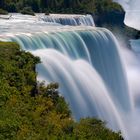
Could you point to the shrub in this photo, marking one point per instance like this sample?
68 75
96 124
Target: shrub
47 12
3 12
27 11
11 7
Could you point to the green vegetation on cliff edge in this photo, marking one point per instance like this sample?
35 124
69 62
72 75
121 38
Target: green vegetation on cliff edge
33 111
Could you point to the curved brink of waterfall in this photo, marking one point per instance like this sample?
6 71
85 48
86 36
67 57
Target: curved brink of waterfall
97 46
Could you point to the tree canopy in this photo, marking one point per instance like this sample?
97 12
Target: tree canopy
61 6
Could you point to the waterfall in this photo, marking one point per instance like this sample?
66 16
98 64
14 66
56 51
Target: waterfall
73 20
80 84
97 46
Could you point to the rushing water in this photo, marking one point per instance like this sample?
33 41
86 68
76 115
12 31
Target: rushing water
73 20
132 19
88 64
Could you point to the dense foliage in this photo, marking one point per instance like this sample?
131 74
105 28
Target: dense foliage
3 12
32 111
61 6
27 11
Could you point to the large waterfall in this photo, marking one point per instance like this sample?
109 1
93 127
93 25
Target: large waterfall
86 62
97 47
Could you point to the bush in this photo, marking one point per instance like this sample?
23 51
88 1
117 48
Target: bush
3 12
28 11
47 13
11 7
94 129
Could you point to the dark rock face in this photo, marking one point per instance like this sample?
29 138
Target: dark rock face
114 21
137 35
112 18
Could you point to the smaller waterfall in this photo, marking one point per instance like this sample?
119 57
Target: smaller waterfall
73 20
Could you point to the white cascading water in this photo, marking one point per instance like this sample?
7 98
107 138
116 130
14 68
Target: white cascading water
92 45
73 20
86 62
132 19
